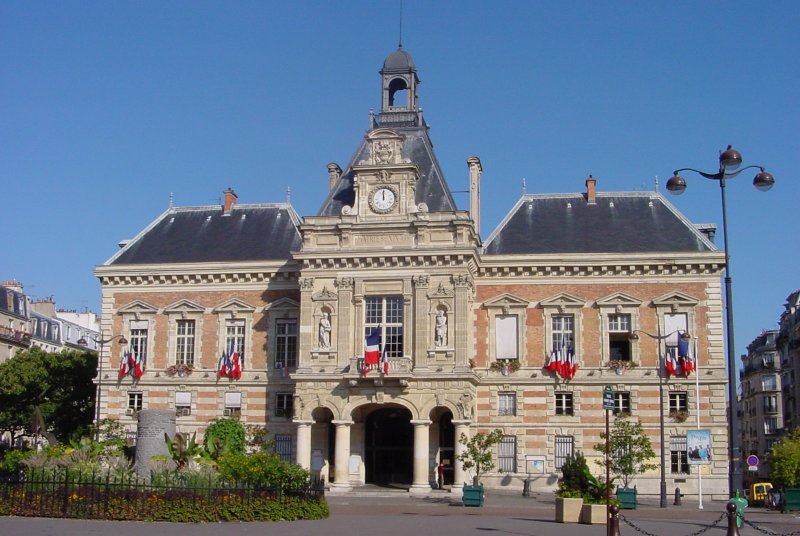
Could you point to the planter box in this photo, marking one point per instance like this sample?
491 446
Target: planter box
568 510
627 498
473 496
593 514
790 499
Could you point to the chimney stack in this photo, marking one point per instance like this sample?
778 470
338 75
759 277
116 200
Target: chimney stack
334 172
230 200
591 190
475 170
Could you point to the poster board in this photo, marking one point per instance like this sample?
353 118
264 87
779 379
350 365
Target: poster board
698 447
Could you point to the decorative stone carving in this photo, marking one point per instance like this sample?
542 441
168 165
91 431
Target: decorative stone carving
462 280
345 283
464 406
325 331
440 339
421 281
325 295
441 292
306 283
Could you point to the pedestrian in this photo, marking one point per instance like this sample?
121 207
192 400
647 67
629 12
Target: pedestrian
440 475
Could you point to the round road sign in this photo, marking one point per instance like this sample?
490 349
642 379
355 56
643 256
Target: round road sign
752 460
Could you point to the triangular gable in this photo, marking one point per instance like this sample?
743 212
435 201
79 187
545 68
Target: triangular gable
562 301
675 299
282 304
619 299
325 295
184 306
506 300
137 307
234 305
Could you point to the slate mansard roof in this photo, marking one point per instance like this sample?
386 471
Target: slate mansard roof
265 232
619 222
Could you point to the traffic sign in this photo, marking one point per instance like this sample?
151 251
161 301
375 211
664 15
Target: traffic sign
608 399
752 460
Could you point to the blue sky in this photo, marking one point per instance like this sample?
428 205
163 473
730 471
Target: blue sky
108 107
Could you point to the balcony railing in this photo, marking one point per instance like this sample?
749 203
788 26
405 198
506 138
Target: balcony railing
16 336
397 366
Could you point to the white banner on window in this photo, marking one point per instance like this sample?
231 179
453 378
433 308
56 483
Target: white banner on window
233 400
183 398
673 323
506 336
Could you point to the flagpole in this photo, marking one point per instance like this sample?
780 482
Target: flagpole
697 398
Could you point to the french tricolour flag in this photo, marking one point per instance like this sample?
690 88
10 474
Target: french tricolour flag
372 349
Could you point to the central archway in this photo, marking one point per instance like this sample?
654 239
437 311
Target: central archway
389 447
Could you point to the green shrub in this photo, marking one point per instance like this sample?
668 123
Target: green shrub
224 437
12 460
263 470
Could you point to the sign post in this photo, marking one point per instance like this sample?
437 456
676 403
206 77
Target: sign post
608 405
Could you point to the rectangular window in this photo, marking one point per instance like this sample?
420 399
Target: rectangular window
386 312
769 383
770 442
284 405
622 403
507 404
505 330
565 447
184 343
678 402
183 403
233 405
678 458
234 333
770 425
770 403
564 404
138 340
286 344
283 447
563 331
134 402
619 337
507 454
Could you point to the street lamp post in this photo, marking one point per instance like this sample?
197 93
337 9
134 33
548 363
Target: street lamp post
661 369
102 342
729 160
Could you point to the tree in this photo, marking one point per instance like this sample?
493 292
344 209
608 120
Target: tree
784 460
224 437
59 384
478 455
629 450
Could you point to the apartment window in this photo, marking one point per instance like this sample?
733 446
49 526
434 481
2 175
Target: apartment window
184 342
678 458
505 329
507 454
134 402
565 447
564 404
283 447
138 339
770 442
284 405
770 425
619 337
563 331
234 335
769 383
678 402
286 343
386 312
233 405
770 403
622 403
768 359
507 404
183 403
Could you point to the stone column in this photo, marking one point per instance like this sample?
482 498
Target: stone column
304 443
305 326
459 331
342 461
421 321
422 465
344 325
459 475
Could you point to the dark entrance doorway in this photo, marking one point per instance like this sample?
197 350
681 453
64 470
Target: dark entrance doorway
447 442
389 448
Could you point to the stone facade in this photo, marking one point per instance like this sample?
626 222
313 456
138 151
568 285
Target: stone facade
466 327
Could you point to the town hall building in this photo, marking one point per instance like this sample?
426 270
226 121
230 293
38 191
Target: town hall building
521 330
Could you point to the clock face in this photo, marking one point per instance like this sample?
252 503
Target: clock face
383 199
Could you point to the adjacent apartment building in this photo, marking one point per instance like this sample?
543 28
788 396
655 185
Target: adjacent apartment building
369 336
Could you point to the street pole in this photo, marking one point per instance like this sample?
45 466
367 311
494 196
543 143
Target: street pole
697 399
608 480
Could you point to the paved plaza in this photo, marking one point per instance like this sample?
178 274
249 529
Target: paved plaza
386 514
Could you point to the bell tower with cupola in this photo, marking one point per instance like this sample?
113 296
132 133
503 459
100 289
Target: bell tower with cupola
399 103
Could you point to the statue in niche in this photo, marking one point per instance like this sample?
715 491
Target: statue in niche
325 331
440 338
464 405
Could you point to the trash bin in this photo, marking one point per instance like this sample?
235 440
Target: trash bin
627 498
741 504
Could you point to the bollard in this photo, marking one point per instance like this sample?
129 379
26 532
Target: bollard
677 497
613 521
526 487
733 530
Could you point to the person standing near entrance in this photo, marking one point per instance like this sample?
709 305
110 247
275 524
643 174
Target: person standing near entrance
440 475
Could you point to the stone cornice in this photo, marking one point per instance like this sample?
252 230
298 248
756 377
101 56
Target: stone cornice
167 275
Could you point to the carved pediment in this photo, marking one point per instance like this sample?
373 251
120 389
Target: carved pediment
234 305
619 299
506 301
675 299
441 292
385 148
282 304
184 307
136 308
563 301
325 295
